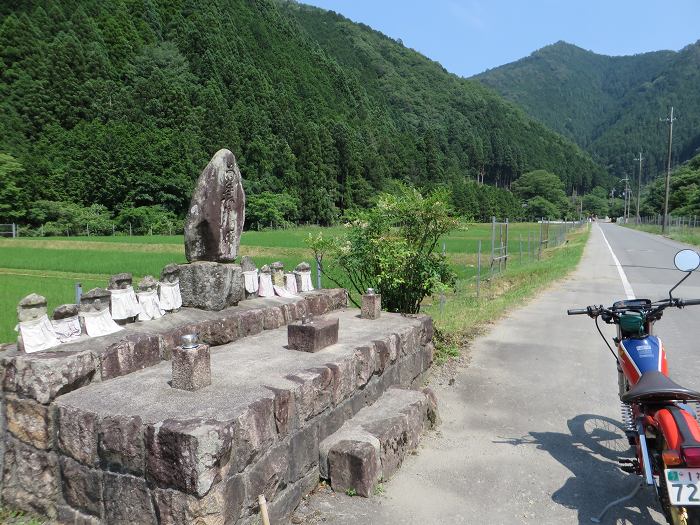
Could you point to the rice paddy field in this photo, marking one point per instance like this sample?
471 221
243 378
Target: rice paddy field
52 266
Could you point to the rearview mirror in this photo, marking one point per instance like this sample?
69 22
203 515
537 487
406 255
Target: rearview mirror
687 260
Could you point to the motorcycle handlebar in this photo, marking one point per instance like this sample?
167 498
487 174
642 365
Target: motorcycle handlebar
577 311
688 302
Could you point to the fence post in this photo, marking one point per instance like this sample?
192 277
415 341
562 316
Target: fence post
129 229
505 261
529 249
493 241
78 292
318 273
539 250
478 269
14 230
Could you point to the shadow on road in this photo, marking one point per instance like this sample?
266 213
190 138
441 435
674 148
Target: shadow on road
590 452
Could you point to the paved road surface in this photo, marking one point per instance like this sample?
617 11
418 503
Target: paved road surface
530 432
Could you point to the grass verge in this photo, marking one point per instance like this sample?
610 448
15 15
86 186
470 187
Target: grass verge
463 316
685 235
17 517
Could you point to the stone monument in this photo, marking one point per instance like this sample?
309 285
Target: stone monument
169 288
212 235
34 330
148 299
95 319
66 322
124 305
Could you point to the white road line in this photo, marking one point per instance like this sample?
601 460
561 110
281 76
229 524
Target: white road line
623 277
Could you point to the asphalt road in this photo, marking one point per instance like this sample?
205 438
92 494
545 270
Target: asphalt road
530 428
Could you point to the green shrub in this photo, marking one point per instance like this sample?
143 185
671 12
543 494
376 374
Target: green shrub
391 248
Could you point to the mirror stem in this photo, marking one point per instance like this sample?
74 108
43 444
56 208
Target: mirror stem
670 292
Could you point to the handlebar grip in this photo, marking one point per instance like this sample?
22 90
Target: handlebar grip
578 311
688 302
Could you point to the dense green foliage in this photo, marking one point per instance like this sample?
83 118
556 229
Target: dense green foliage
391 248
610 105
121 104
684 194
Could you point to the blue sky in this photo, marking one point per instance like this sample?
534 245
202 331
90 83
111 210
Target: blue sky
469 36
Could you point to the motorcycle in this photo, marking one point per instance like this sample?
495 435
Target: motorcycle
658 420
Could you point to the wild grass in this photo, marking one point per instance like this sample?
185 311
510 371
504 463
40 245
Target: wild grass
463 316
51 266
681 234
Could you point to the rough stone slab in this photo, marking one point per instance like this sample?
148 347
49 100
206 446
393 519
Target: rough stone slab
391 428
82 487
353 464
133 352
77 434
127 499
187 455
314 394
254 431
45 375
30 478
221 505
303 453
288 500
69 515
30 422
120 444
211 285
314 336
267 476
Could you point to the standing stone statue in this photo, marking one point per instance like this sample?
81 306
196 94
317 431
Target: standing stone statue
124 305
169 288
34 330
217 212
148 299
212 235
94 313
66 323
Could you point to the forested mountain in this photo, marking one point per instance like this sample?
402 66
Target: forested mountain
121 104
610 106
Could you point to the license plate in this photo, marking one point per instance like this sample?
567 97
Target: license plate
683 486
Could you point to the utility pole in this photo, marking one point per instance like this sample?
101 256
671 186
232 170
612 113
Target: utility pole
625 209
639 185
670 120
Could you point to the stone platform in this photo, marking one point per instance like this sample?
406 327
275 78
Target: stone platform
107 440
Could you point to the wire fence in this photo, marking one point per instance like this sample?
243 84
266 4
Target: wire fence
9 230
677 222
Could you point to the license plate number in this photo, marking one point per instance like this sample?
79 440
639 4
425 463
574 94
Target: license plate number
683 486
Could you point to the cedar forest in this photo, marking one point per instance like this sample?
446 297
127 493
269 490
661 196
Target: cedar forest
110 110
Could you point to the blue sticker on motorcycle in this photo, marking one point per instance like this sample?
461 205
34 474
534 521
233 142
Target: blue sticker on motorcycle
645 353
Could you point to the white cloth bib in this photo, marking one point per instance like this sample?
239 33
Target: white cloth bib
124 303
251 281
290 283
38 334
306 284
99 323
170 298
150 306
265 289
282 292
67 329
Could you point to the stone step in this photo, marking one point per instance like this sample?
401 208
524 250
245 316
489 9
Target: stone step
371 446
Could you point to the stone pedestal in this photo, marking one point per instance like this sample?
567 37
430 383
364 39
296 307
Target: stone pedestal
211 285
191 367
371 306
312 336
